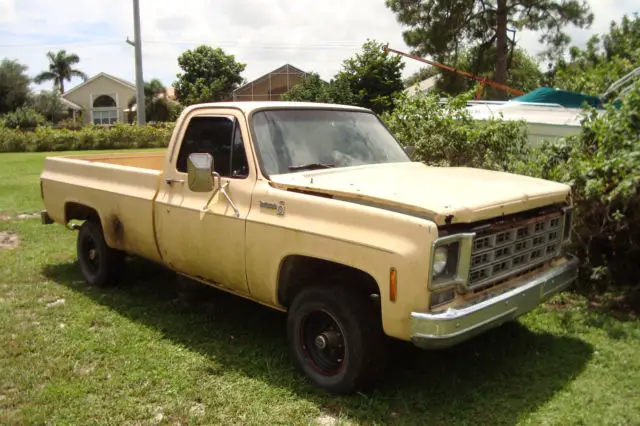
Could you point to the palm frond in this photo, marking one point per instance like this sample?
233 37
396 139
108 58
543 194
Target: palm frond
71 59
78 73
44 76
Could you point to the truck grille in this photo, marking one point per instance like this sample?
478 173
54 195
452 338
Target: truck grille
500 255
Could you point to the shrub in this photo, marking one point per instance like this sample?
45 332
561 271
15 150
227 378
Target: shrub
49 105
446 135
602 164
70 123
120 136
23 118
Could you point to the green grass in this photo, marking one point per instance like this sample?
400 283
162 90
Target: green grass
158 351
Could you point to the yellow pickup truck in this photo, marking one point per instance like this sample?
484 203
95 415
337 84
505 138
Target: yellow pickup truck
316 210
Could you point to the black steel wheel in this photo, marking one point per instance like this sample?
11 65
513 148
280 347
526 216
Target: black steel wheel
100 264
335 338
322 339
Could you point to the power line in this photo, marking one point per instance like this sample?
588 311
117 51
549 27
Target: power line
249 46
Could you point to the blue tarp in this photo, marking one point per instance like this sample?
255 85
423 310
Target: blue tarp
561 97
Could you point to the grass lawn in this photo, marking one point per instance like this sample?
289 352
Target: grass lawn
158 351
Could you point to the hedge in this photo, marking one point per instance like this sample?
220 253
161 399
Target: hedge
446 135
602 164
120 136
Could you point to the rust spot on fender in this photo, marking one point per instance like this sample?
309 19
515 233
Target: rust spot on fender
115 230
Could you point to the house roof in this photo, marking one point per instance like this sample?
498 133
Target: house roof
422 86
95 77
289 69
70 104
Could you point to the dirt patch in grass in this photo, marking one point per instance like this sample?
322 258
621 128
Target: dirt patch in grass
9 240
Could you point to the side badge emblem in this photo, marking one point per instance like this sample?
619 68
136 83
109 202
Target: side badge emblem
279 207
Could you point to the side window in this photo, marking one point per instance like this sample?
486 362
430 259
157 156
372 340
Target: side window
220 137
239 165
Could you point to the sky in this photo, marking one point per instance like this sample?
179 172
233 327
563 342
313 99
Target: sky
265 34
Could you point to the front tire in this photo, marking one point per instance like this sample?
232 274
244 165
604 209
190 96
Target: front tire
100 264
336 339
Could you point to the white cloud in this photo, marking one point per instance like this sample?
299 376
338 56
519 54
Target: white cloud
310 34
7 11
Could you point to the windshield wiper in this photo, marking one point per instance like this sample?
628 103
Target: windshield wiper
311 166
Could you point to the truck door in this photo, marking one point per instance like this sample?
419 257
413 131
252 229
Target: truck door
207 244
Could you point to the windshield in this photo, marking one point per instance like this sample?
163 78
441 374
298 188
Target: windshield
304 139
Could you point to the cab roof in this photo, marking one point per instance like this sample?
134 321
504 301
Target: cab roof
249 106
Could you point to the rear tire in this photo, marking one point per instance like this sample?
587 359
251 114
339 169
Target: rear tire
100 264
336 339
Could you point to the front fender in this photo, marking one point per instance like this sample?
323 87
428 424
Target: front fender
366 238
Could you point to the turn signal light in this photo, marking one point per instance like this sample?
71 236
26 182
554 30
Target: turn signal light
393 284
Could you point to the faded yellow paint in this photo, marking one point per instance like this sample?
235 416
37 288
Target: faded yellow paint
121 195
153 161
375 219
466 194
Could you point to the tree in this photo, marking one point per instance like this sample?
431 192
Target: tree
153 87
60 69
371 79
14 85
523 73
157 108
49 105
604 60
374 76
313 89
442 28
209 75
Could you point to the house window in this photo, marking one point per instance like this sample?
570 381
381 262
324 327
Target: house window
104 101
105 110
108 116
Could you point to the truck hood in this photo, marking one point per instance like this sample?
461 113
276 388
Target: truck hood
442 194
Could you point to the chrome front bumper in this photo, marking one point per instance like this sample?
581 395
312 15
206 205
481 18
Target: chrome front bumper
445 329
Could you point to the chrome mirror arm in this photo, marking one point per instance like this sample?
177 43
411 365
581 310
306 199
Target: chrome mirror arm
222 190
215 190
233 206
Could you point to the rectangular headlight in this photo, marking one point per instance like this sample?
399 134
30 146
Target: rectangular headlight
458 258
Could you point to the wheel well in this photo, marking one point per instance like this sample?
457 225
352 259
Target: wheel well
298 272
80 212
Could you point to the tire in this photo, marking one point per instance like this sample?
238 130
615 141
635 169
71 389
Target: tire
100 264
336 339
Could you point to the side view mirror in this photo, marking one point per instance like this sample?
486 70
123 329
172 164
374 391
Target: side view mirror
410 150
200 172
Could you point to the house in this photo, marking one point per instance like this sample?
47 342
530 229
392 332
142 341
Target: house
103 98
271 86
422 87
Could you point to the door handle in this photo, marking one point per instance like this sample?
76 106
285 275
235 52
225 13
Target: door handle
171 181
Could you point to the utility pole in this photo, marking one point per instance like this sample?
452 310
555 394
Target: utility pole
137 44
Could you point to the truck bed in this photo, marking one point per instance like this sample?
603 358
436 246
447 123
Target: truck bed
120 187
142 160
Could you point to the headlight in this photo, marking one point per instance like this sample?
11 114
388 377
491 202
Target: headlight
440 260
450 260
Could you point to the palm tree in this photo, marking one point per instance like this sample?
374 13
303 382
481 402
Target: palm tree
60 69
156 108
